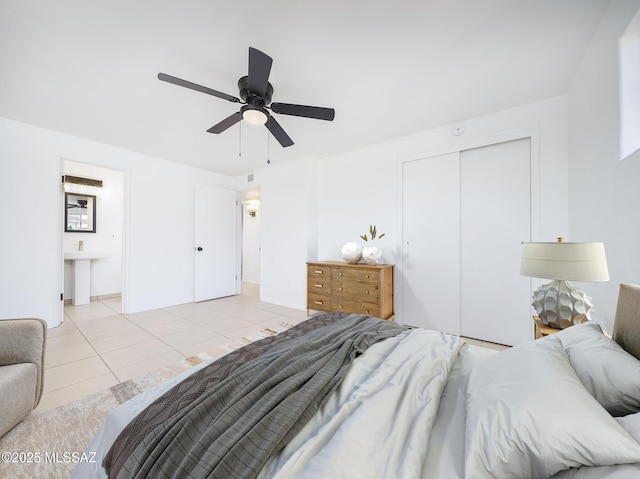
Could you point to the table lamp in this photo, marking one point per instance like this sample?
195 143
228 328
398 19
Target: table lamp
558 304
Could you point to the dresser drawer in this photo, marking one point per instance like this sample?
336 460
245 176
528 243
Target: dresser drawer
319 302
318 271
354 274
355 307
319 285
367 292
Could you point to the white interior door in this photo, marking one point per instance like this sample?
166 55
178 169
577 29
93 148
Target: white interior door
495 215
431 249
216 243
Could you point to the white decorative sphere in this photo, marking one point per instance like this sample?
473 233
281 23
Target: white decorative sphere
351 252
371 254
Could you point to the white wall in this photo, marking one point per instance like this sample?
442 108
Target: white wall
604 193
312 207
159 221
106 273
288 194
30 241
309 208
362 187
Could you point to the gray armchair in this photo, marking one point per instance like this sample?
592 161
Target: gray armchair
22 343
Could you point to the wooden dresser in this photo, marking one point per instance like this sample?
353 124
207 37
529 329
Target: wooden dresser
352 288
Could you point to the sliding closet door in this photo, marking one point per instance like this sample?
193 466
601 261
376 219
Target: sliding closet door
464 217
431 249
495 212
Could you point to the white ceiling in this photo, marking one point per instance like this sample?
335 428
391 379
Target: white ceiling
88 68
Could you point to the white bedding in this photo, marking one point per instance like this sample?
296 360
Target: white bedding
387 403
402 410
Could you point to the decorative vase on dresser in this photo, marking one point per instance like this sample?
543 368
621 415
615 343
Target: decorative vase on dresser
351 252
371 254
351 288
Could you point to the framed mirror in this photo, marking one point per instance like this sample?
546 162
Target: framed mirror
80 213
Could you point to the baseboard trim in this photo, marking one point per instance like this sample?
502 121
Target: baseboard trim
97 298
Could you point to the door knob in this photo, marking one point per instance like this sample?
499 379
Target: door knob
199 248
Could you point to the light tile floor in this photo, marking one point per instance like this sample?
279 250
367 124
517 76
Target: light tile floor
97 346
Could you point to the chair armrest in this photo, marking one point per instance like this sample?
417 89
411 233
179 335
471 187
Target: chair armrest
24 341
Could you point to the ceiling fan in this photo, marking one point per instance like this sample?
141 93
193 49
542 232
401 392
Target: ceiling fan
255 95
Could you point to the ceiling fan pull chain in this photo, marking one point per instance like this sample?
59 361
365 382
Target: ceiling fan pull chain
240 142
268 145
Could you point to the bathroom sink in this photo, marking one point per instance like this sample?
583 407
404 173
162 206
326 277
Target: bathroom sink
82 273
74 255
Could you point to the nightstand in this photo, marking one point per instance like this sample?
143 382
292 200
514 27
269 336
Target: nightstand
541 330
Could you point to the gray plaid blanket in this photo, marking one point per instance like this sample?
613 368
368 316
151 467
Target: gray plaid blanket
230 430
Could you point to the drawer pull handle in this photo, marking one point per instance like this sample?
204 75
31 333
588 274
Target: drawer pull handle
340 288
319 302
367 311
318 285
366 276
318 271
367 291
339 306
340 274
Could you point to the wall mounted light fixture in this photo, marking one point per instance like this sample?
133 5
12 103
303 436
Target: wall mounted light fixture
252 207
82 186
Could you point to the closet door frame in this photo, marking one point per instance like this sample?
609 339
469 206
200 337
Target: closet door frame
461 144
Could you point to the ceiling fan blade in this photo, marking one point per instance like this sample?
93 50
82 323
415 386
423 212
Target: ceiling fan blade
259 69
276 130
194 86
226 123
316 112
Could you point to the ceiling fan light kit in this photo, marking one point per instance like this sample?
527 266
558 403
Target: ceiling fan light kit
255 94
254 115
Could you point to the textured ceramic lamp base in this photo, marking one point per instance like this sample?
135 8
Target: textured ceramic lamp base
560 305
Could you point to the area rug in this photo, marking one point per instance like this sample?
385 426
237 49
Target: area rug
49 444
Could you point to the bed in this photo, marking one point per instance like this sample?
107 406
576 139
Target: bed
350 396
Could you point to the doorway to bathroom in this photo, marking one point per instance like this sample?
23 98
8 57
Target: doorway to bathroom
251 239
102 243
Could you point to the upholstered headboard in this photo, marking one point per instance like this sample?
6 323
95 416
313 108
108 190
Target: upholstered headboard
626 328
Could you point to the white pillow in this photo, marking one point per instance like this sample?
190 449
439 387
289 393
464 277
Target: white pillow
631 424
609 373
623 471
528 415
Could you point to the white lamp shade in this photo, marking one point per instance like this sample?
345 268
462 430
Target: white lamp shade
565 261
